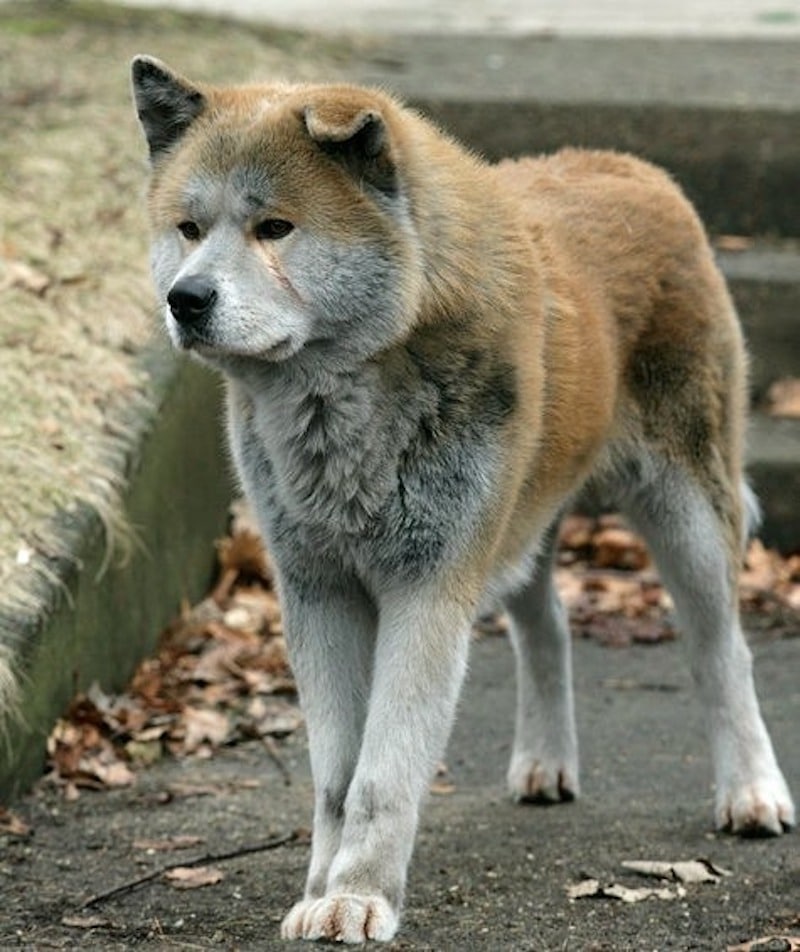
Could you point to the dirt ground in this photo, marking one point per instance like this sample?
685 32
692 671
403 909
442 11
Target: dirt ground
486 875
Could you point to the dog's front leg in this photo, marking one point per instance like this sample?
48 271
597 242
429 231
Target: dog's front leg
420 659
330 630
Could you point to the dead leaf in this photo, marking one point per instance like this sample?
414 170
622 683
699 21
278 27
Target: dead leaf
202 726
193 877
12 825
783 398
626 894
116 774
769 943
275 718
585 889
593 889
618 548
685 871
733 242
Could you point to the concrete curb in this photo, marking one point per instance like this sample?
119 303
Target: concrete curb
102 620
723 117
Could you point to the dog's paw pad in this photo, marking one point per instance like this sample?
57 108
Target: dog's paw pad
341 918
538 782
757 809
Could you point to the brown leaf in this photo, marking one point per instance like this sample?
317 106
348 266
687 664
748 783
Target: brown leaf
203 726
617 548
783 398
193 877
114 774
12 825
733 242
244 553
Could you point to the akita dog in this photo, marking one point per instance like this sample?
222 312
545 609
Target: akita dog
426 358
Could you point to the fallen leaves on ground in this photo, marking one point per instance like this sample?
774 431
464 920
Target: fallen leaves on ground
680 874
609 585
220 676
613 594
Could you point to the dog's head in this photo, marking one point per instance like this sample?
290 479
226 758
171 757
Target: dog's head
280 219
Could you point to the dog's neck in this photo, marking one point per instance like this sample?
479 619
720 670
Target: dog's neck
332 440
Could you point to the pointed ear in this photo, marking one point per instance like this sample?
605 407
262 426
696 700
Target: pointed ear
166 103
357 138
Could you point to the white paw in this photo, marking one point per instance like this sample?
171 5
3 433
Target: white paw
533 780
763 808
341 918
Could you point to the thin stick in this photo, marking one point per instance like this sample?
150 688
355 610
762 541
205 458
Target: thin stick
272 750
133 884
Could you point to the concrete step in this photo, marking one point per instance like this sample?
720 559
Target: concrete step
765 282
773 466
722 116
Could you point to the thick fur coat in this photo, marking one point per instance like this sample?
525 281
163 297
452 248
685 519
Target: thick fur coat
426 358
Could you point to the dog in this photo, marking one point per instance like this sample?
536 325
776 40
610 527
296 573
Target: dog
426 358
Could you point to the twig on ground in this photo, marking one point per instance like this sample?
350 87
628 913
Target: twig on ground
286 840
272 750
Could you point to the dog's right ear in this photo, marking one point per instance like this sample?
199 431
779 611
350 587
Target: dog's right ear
166 103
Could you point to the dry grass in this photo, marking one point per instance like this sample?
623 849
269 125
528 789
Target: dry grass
76 312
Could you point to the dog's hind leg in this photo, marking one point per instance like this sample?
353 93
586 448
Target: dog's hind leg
684 527
544 761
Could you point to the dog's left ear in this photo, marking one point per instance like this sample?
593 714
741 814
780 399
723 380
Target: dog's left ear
357 138
166 103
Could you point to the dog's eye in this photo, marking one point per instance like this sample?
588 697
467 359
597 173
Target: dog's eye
190 230
271 229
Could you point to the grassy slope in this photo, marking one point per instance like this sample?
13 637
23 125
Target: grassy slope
76 311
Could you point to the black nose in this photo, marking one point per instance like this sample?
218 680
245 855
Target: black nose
191 299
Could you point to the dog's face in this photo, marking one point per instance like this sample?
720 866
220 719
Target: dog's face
280 219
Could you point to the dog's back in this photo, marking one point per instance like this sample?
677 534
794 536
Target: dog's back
638 312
